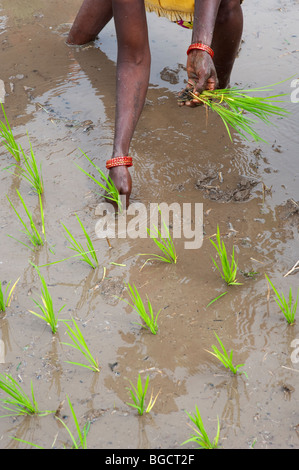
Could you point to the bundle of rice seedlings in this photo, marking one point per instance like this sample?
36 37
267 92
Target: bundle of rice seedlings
233 106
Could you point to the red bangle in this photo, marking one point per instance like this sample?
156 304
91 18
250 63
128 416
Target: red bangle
119 161
202 47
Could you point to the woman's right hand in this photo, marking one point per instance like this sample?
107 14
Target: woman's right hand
121 177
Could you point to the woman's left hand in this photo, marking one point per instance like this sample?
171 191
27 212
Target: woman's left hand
201 76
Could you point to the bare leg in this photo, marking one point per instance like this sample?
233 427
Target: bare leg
227 37
90 20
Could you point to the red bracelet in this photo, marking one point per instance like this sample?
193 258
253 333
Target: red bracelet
202 47
119 161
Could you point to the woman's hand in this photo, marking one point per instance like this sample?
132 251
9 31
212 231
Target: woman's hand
121 177
201 75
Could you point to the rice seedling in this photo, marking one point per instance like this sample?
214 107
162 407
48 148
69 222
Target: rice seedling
42 215
226 358
165 244
138 395
8 138
27 442
30 230
80 442
110 190
228 270
6 296
45 305
18 402
89 255
79 343
287 306
31 171
150 320
231 104
216 298
200 435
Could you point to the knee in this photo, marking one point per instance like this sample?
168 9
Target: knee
228 9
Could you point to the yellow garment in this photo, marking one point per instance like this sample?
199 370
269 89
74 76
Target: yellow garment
175 10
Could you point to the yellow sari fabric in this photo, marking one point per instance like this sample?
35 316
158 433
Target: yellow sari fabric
175 10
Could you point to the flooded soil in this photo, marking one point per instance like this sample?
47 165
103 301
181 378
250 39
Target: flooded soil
63 98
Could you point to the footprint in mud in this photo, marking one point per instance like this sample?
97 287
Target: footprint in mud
289 211
211 184
287 390
171 75
111 290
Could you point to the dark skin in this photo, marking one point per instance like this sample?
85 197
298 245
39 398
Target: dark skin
217 23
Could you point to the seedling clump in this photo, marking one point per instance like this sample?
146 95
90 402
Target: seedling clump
150 320
80 344
6 296
110 190
18 402
138 395
200 435
45 305
287 306
225 358
30 229
164 243
228 270
89 255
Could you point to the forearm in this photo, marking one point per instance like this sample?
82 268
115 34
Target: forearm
205 14
133 67
131 88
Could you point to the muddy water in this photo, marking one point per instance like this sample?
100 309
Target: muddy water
64 98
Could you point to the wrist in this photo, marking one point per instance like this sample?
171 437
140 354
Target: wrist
119 161
202 47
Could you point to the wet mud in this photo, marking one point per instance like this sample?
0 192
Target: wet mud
63 98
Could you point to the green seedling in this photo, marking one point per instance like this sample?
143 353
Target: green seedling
30 230
46 305
216 298
42 216
79 343
233 104
31 171
165 244
8 138
18 403
110 190
6 296
200 436
228 269
80 442
27 442
150 320
89 255
138 395
286 305
226 358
